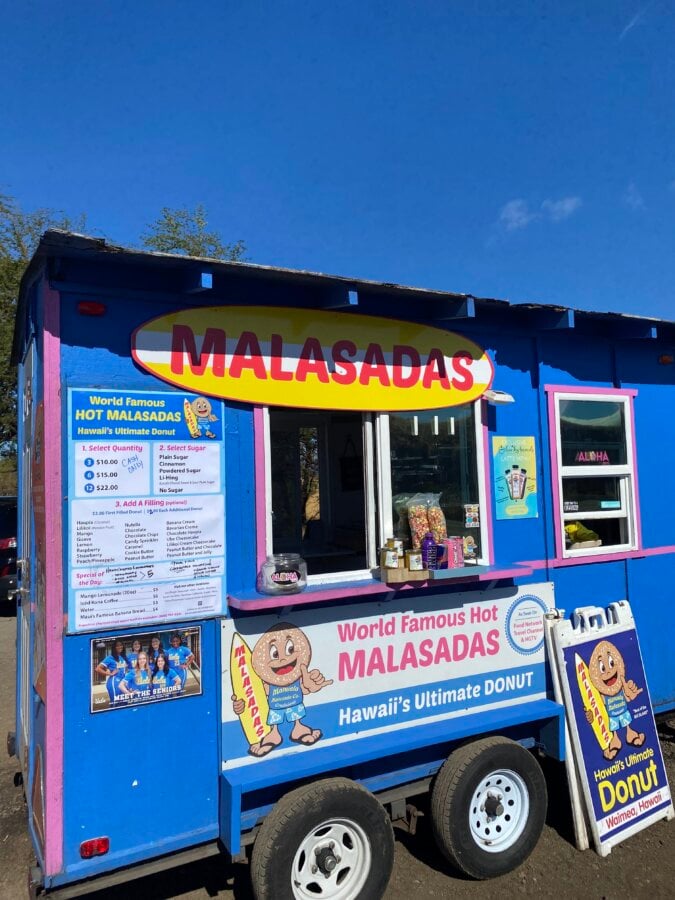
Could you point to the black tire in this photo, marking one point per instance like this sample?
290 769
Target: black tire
499 774
352 820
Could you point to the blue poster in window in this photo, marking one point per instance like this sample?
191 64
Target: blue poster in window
515 477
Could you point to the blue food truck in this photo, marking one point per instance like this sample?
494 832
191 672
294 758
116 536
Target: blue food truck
287 544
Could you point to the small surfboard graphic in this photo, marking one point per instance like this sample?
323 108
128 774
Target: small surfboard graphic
592 700
248 686
190 419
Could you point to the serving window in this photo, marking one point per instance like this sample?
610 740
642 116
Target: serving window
342 483
595 465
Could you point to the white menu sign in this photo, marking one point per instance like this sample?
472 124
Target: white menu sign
146 511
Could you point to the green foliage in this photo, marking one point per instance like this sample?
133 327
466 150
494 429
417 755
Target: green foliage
20 234
8 476
185 231
175 231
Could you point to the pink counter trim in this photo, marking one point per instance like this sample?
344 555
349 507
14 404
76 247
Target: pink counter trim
318 594
260 485
54 585
538 564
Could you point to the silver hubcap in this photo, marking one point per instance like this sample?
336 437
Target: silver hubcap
333 861
499 809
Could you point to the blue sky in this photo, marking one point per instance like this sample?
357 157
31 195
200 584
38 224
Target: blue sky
520 150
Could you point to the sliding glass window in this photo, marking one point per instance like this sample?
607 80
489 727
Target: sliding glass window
341 483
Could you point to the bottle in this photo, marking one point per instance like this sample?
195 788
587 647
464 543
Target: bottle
429 551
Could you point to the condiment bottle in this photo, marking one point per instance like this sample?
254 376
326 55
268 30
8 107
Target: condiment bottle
429 551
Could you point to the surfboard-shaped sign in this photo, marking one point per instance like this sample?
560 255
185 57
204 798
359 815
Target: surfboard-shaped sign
312 358
247 687
593 703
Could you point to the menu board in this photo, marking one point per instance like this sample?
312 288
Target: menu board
146 534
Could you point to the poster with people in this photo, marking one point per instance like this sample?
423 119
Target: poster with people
133 669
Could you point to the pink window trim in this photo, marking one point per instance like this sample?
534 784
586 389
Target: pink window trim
53 760
487 514
585 389
261 484
553 390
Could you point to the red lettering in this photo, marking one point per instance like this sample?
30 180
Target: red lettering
426 656
276 359
477 645
376 663
240 650
435 370
409 657
340 350
442 651
492 641
351 667
213 347
311 362
374 366
461 363
460 646
247 355
408 357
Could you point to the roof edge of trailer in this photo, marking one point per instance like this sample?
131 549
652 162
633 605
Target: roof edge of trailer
56 243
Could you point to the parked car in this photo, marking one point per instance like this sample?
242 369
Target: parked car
8 527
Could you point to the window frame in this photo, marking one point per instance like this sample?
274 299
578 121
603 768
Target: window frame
625 473
377 488
385 522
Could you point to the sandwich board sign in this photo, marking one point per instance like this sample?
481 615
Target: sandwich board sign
613 733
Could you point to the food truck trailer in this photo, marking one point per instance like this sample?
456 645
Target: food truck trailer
287 544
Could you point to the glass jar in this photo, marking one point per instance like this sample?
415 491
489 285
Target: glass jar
283 573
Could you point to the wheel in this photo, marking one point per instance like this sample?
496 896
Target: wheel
330 840
488 807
